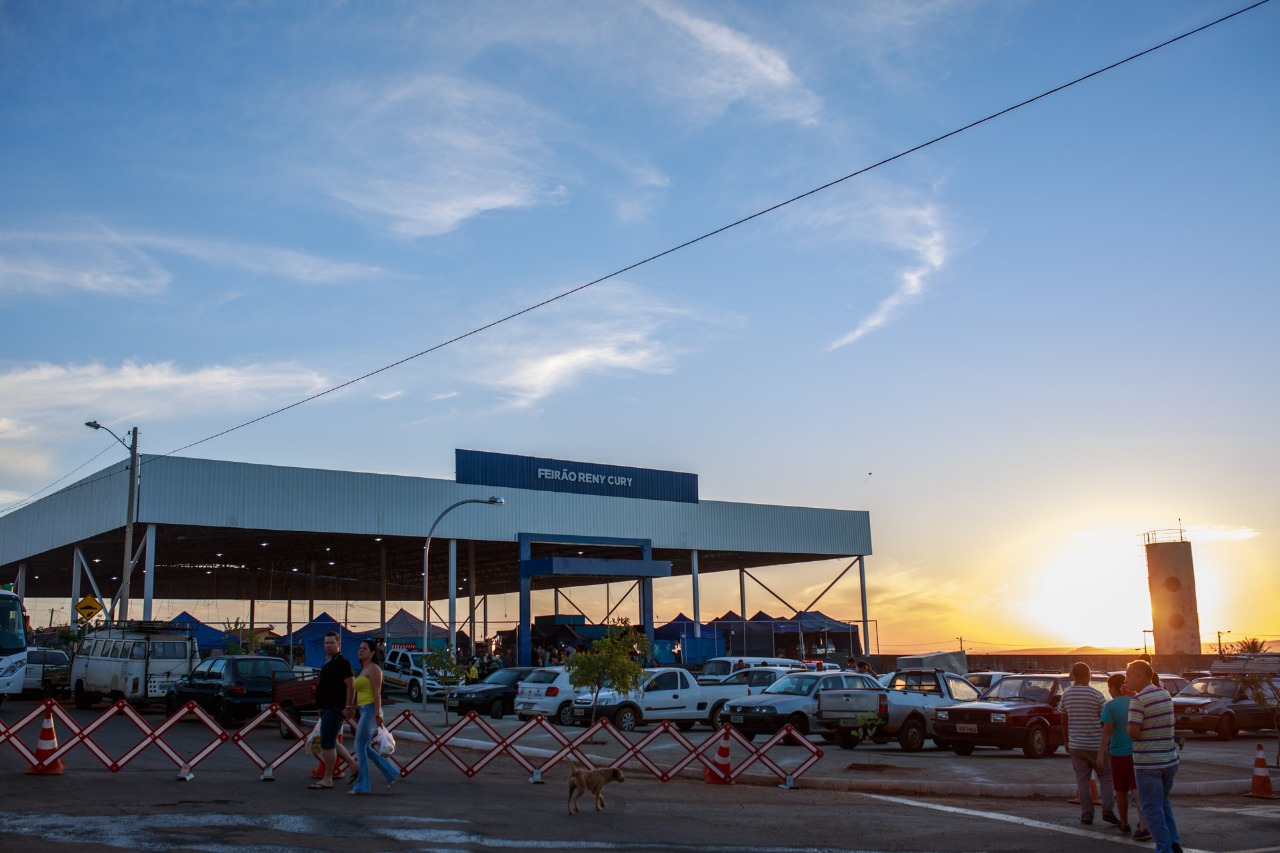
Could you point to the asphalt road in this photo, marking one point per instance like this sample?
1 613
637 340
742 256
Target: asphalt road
438 808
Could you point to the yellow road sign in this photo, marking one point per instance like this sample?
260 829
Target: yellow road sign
88 607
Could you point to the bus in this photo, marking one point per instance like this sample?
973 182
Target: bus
13 644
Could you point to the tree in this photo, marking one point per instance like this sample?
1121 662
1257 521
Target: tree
444 666
612 661
1248 646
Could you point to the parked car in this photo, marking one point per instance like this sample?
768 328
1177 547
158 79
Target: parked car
905 709
48 671
984 679
133 661
232 688
547 691
1019 711
1221 704
792 699
403 669
717 669
495 695
756 678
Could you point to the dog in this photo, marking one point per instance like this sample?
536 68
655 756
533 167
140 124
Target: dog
583 781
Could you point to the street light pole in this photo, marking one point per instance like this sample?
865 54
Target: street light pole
1220 633
126 573
426 598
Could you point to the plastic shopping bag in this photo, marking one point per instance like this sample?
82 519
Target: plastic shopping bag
383 742
313 741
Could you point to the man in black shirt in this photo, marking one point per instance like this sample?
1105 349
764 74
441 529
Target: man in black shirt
335 696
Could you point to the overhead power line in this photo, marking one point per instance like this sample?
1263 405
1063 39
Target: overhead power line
686 244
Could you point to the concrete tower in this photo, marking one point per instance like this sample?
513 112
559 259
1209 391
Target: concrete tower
1171 577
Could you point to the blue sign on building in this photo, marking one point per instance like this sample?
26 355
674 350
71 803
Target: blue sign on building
476 467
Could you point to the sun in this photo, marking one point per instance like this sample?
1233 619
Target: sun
1092 591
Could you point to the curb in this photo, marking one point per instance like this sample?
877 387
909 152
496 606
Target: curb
889 786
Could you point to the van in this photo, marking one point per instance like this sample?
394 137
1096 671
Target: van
134 661
716 669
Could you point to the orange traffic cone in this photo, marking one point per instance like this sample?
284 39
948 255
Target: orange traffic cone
721 763
1261 787
47 746
1093 791
339 766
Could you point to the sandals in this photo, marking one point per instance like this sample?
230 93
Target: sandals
316 786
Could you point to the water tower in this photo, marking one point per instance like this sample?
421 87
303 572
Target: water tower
1171 577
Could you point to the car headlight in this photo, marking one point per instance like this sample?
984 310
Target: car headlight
942 715
13 668
1193 710
999 718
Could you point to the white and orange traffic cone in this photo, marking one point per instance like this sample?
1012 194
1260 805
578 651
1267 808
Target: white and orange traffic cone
1261 787
47 746
339 766
1093 791
721 763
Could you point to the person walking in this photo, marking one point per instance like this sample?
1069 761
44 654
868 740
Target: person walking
334 694
1119 748
368 699
1081 709
1155 754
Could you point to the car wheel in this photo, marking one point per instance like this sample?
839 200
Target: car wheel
961 748
82 700
564 714
846 739
1037 743
911 736
626 719
800 723
1226 727
171 705
222 713
495 710
827 737
684 725
415 691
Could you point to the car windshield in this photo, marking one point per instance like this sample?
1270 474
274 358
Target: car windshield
13 637
1011 688
717 668
504 676
542 676
793 685
261 667
1223 688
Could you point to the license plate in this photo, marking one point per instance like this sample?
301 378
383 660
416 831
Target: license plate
966 728
579 712
526 706
735 718
453 703
848 722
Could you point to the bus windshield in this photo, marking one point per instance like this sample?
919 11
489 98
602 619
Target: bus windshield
13 635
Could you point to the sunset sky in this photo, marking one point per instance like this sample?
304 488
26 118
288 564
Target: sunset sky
1018 348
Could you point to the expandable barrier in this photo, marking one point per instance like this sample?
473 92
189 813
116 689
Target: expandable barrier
705 753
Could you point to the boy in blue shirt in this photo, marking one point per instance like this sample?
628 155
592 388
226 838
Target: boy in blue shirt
1116 741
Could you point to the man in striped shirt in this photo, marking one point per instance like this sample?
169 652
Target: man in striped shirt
1081 709
1155 755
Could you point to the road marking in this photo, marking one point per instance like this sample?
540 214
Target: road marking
1251 811
1021 821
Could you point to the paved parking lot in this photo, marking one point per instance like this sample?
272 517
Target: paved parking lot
842 804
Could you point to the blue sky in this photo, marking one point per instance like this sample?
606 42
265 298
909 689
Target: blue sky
1041 337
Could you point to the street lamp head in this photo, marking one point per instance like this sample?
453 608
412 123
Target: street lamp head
93 425
496 500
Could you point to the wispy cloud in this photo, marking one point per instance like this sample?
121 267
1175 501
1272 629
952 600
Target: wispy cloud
614 330
914 228
41 392
127 264
1203 533
429 153
721 66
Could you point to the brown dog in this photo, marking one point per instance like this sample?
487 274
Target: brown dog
583 781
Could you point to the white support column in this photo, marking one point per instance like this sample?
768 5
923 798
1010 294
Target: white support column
862 581
76 560
149 572
697 600
453 598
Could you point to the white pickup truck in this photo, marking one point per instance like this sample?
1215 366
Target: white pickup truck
671 693
403 668
905 709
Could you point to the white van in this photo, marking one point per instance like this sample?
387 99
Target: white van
716 669
135 661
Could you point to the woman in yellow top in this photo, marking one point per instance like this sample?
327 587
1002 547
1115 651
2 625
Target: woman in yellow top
368 685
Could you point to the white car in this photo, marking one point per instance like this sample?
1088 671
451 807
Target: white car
547 691
37 660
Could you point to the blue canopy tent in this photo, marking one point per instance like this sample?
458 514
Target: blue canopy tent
821 631
207 637
693 649
404 631
311 638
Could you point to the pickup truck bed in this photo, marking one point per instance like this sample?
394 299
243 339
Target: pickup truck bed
905 709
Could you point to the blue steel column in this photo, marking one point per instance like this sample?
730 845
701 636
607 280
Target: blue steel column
526 618
453 598
697 601
149 570
646 610
862 581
